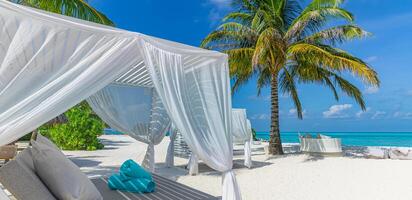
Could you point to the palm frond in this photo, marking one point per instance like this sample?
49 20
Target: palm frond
307 73
264 78
287 86
351 90
337 35
73 8
270 49
240 61
313 20
231 39
240 17
333 59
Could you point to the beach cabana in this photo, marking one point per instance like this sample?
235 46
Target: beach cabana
242 133
49 63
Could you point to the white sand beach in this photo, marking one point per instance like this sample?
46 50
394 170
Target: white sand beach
289 177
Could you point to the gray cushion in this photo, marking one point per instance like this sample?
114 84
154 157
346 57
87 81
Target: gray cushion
63 178
41 139
18 177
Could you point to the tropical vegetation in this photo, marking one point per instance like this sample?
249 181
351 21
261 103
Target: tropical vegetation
81 131
73 8
284 43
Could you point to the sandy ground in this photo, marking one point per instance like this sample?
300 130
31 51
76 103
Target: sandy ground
289 177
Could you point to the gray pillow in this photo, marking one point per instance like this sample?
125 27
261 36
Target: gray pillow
43 140
19 178
63 178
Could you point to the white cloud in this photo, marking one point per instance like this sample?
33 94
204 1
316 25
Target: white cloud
337 111
220 4
371 59
294 111
408 93
361 113
261 116
255 97
371 90
378 115
402 115
218 10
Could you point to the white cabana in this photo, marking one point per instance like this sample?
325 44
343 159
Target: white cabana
242 133
49 63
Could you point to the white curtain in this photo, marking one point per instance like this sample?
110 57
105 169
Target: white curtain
170 157
197 97
136 111
248 147
47 66
193 164
242 133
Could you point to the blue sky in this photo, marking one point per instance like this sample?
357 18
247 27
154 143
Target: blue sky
387 50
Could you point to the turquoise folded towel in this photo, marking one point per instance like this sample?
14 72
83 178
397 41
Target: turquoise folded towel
130 169
132 178
139 185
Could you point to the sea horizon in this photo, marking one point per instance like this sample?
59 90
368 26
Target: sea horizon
352 138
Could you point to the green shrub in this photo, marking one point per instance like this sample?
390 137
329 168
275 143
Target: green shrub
80 133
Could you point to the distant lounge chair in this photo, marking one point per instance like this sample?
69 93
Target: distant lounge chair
19 177
322 144
400 153
377 153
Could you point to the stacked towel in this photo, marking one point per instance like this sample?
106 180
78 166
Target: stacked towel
132 178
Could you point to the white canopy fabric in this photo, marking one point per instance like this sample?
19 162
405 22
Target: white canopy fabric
49 63
242 133
170 158
136 111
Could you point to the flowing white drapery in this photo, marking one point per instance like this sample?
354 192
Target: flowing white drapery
170 157
242 133
49 63
48 67
136 111
185 85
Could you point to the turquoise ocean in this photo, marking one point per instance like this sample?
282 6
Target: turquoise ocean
399 139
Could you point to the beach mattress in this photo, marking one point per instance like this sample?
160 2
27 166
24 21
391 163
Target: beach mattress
165 190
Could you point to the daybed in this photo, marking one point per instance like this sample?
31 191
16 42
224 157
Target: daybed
19 177
322 144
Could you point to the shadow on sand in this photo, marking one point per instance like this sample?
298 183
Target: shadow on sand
111 145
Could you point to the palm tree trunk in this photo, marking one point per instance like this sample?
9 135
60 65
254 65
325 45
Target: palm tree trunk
275 144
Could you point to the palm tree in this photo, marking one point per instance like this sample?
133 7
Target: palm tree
283 43
73 8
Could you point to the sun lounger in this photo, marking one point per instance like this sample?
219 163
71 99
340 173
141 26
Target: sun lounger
20 179
377 153
400 153
165 189
323 144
